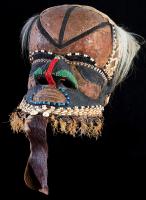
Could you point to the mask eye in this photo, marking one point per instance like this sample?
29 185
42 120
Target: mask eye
40 77
42 80
66 78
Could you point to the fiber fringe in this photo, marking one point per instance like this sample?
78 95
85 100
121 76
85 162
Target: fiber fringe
74 126
16 122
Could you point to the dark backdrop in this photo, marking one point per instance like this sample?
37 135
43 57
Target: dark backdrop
78 167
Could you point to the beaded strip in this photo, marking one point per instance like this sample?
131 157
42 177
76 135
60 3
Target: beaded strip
46 111
40 61
113 60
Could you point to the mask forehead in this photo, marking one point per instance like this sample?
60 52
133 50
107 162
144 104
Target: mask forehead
97 44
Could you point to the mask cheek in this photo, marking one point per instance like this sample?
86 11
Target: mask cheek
31 82
90 90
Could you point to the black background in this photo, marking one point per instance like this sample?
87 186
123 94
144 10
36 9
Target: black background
115 165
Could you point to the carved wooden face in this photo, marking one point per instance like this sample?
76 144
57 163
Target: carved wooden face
68 56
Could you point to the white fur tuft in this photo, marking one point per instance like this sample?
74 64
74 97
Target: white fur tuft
128 47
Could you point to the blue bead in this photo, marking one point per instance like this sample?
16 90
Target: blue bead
62 89
65 94
67 102
62 104
68 98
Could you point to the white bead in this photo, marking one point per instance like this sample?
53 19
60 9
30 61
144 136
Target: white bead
63 114
33 112
44 107
77 54
52 108
46 113
92 59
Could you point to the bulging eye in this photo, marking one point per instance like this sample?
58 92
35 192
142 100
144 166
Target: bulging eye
38 73
42 80
66 77
40 77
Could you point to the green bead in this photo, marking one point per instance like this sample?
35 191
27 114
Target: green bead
38 72
68 76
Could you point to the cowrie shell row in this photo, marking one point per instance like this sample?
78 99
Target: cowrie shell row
75 111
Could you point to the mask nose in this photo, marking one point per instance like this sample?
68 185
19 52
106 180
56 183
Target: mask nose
44 75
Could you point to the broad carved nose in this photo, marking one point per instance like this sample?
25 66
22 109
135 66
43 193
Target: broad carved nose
55 73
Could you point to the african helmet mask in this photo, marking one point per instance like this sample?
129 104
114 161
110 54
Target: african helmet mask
78 55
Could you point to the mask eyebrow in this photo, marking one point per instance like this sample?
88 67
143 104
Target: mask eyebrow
80 57
41 54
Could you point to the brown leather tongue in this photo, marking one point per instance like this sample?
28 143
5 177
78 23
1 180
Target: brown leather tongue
50 95
36 172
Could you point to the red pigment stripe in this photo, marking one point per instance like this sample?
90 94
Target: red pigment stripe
48 73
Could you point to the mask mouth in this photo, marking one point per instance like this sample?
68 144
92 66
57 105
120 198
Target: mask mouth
49 96
76 120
